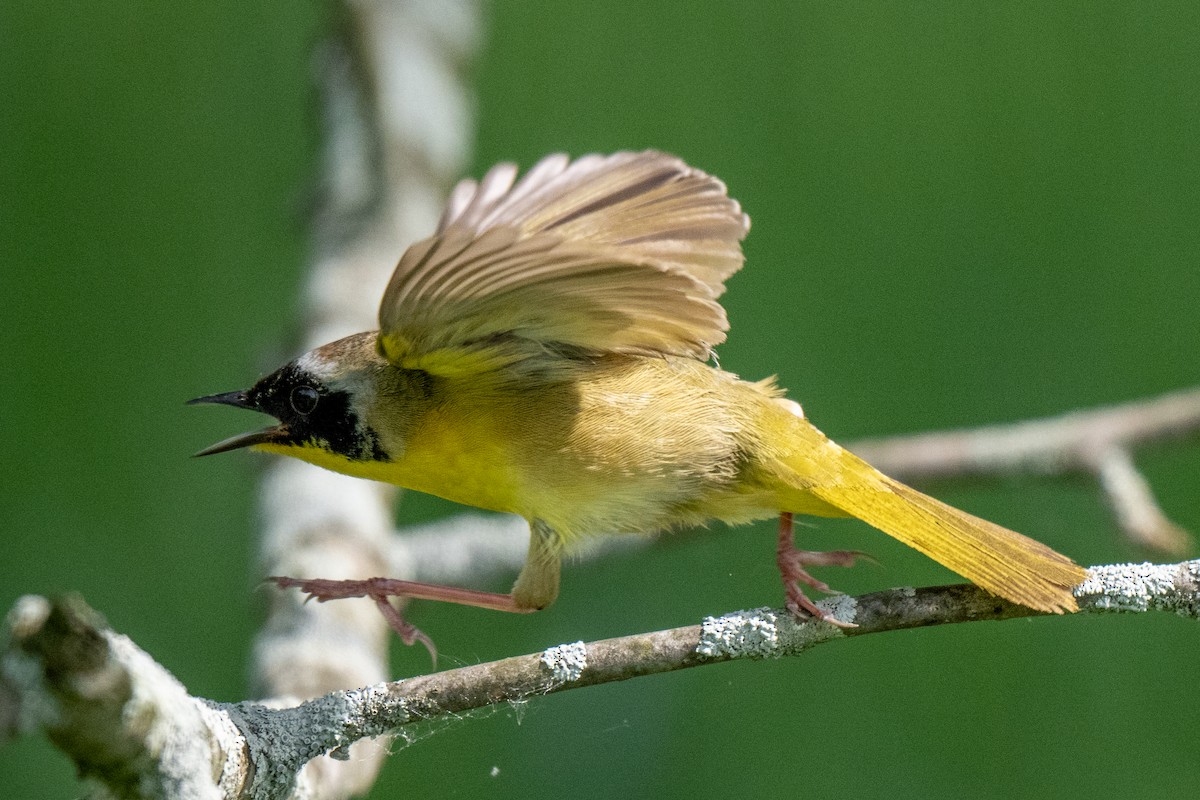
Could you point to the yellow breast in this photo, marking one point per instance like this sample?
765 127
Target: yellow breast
463 454
627 445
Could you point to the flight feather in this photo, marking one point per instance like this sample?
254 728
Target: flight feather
625 253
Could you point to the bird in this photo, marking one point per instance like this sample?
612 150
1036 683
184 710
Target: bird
549 352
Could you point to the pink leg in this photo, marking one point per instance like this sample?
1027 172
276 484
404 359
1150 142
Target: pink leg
409 633
536 588
322 590
380 589
792 563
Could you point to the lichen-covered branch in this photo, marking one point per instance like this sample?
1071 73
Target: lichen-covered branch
124 721
130 725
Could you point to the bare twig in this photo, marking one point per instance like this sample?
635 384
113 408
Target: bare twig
1132 500
129 724
1054 445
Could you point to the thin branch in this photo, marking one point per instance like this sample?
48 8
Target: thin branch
1053 445
130 725
1132 500
762 633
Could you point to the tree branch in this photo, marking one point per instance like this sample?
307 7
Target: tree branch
129 724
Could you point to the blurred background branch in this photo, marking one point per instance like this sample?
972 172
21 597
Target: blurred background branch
396 115
1097 442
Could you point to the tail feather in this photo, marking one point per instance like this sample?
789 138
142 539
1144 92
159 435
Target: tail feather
1001 561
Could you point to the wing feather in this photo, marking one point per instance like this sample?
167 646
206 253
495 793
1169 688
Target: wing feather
625 253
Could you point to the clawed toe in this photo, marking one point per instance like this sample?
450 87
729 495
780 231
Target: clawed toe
793 572
409 633
377 589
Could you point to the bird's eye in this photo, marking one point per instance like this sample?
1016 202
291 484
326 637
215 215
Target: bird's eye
304 399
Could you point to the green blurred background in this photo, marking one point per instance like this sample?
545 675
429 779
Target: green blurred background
963 213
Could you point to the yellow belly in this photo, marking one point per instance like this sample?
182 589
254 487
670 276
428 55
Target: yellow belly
630 445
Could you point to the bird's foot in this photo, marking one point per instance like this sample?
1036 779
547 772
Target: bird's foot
793 571
380 589
377 589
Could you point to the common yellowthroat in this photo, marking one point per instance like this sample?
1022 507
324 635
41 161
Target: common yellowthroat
545 353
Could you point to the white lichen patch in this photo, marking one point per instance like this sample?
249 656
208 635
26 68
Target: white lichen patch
741 634
565 662
841 607
761 633
1142 587
180 734
154 691
228 743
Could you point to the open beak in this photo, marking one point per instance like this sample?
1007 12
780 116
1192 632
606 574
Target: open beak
238 400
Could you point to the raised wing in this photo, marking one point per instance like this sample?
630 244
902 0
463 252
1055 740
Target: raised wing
625 253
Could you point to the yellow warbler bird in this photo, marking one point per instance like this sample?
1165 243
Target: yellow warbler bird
545 353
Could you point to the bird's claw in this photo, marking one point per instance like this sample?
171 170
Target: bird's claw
793 571
377 589
409 633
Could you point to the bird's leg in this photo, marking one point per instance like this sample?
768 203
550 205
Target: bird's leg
792 563
537 585
536 588
381 589
323 590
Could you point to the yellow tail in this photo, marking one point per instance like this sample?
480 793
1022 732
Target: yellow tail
1001 561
